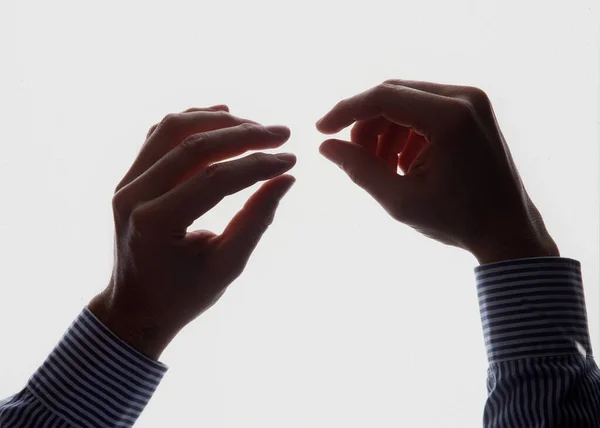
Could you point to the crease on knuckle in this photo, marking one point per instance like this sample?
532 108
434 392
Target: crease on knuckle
478 98
392 82
194 143
170 121
248 127
215 171
269 217
258 157
222 114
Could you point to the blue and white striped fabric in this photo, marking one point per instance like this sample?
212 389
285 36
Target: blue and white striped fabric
90 379
542 373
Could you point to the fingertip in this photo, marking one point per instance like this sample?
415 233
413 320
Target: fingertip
280 130
321 126
288 178
323 148
287 158
327 147
278 186
288 183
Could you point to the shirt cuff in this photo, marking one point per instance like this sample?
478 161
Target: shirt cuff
532 307
92 378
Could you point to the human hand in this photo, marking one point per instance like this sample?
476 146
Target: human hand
163 276
460 184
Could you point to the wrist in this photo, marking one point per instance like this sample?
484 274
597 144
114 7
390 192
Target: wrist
526 247
141 333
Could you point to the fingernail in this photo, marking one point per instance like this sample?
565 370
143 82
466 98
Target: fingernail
286 157
319 121
282 131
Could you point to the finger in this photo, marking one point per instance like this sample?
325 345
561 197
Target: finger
432 87
414 146
366 133
200 150
391 143
473 95
391 190
222 107
426 113
468 93
243 233
151 130
171 131
181 206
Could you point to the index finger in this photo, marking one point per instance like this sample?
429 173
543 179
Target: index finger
423 111
174 128
222 107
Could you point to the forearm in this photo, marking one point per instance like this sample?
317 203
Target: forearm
542 372
90 379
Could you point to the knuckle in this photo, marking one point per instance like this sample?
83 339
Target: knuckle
248 127
478 98
138 218
340 105
381 89
223 114
269 217
352 175
258 157
118 203
235 269
151 130
118 188
193 143
392 82
171 120
463 116
215 171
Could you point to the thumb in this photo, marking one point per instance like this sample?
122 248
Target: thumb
371 173
244 231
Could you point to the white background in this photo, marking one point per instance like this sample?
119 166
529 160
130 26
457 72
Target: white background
343 316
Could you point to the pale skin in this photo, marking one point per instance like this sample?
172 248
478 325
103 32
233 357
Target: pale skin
459 186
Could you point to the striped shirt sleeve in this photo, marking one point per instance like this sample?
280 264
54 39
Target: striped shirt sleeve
541 369
90 379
